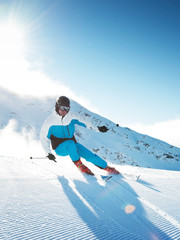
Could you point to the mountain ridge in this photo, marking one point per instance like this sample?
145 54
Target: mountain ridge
119 145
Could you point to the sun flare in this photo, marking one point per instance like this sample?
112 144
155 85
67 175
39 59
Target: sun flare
11 41
12 46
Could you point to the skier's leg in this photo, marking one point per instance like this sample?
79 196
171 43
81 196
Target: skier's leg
95 159
68 148
90 157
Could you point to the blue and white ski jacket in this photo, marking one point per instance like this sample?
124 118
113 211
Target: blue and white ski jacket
57 129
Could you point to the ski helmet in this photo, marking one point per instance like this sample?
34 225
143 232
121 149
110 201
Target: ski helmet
62 101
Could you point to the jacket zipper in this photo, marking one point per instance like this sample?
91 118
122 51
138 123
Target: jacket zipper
63 126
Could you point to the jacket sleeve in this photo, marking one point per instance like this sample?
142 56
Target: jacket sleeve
84 121
91 120
80 123
45 141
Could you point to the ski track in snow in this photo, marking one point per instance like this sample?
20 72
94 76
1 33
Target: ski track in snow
36 209
160 218
155 208
45 200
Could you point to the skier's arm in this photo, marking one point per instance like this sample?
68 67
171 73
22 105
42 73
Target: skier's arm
45 141
80 123
82 120
89 122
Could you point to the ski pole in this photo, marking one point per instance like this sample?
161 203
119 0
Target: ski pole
42 158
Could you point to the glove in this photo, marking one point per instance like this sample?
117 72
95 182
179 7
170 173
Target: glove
51 157
103 128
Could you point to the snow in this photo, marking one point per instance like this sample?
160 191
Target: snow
41 199
46 200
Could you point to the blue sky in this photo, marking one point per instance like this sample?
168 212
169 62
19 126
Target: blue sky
121 55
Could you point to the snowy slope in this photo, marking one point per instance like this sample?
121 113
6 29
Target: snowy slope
40 199
119 145
46 200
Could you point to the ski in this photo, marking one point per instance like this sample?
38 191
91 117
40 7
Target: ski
106 178
126 176
130 176
137 177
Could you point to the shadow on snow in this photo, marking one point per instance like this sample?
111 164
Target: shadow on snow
112 211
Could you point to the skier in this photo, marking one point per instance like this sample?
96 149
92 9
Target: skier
58 129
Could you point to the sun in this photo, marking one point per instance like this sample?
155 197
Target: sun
12 47
11 41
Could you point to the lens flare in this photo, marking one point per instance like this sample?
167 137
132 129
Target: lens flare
129 209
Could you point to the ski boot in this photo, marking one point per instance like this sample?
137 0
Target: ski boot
83 168
111 170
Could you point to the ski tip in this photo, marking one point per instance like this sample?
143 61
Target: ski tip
106 178
137 178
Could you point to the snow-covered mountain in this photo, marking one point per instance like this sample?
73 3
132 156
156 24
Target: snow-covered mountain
41 199
118 145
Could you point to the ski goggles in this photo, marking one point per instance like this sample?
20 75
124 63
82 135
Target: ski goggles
64 108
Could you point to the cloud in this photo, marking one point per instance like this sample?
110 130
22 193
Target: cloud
19 76
27 144
168 131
